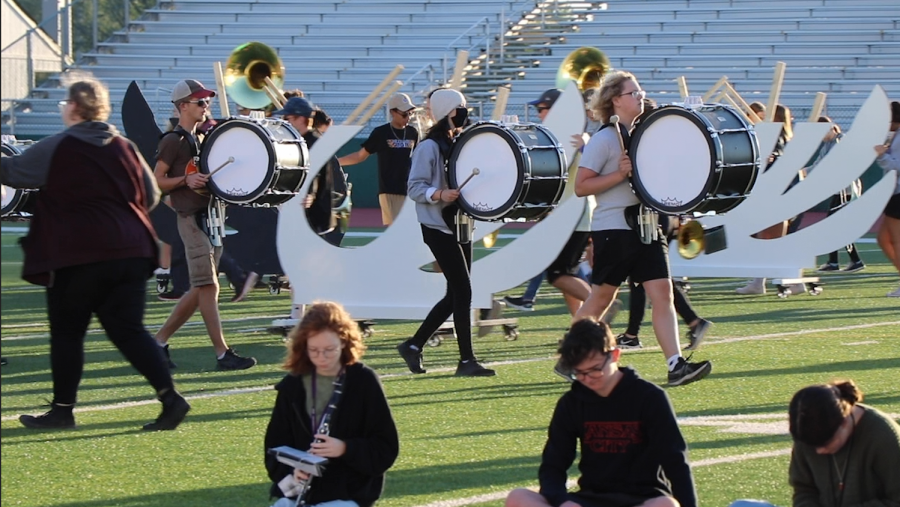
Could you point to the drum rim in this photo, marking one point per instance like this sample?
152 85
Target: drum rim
517 153
270 172
10 150
638 187
18 200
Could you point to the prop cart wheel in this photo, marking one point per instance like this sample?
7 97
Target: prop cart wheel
511 332
162 283
434 341
814 289
366 327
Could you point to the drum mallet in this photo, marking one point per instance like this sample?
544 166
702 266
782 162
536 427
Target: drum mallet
475 171
614 119
217 169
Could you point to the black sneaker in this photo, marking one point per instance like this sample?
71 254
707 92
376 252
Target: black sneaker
412 357
175 407
828 267
686 372
169 361
696 333
853 267
170 296
628 342
563 372
57 418
232 361
471 368
519 304
3 361
240 292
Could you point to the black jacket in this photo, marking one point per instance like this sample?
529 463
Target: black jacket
630 443
362 420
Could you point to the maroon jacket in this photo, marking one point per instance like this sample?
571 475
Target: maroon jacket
96 192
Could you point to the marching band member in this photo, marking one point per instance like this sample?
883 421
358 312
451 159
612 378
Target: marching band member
91 244
618 249
334 406
889 160
435 201
177 176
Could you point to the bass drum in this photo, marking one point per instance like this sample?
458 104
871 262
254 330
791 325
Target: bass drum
693 160
522 171
270 161
17 203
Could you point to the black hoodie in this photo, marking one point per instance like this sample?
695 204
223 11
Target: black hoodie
630 444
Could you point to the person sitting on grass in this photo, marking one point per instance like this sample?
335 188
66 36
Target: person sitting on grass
632 451
845 453
332 406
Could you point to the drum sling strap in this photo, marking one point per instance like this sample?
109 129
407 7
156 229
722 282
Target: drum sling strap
202 216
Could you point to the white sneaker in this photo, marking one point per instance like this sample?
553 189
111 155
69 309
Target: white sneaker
756 286
161 271
895 294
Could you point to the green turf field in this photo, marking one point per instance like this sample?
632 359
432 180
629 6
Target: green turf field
465 441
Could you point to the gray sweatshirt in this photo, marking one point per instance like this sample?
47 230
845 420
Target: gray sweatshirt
890 160
426 176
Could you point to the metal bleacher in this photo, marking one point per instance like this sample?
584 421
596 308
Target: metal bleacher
337 51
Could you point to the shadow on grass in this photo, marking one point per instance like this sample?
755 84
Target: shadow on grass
240 495
838 367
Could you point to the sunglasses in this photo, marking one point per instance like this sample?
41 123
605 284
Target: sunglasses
638 94
404 114
201 102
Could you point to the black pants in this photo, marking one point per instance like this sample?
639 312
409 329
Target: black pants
116 291
455 261
638 302
838 201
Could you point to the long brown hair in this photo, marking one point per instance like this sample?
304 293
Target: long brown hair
783 114
323 316
613 83
816 412
90 96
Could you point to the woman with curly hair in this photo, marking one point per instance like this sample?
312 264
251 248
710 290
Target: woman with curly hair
334 406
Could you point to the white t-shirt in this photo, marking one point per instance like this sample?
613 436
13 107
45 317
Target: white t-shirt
601 155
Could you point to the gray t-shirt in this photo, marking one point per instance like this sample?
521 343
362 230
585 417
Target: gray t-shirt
601 155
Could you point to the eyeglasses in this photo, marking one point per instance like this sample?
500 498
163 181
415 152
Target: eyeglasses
327 352
595 372
404 114
201 102
638 94
62 104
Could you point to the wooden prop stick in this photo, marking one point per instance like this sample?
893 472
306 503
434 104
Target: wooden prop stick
817 108
722 80
273 89
462 59
375 107
475 172
682 88
737 108
741 102
272 96
220 86
369 98
720 97
775 94
500 106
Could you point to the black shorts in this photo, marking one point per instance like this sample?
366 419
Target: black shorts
893 207
619 254
566 263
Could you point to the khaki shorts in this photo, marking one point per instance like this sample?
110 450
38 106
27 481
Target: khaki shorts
202 258
390 207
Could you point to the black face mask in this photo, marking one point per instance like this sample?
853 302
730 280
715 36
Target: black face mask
462 114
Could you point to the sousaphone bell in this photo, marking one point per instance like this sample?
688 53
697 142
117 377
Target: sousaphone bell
586 65
246 71
694 239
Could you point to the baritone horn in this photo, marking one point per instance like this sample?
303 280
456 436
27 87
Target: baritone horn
246 71
586 65
694 239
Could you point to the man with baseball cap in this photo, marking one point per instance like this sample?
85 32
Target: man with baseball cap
393 142
177 175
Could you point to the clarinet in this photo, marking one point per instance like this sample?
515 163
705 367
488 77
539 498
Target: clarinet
324 429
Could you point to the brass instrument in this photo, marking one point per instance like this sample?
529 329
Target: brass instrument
694 239
246 71
586 65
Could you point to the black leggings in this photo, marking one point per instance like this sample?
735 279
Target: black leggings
837 202
638 302
116 291
455 261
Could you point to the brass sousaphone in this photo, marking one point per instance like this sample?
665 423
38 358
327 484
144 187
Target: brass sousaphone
246 71
586 65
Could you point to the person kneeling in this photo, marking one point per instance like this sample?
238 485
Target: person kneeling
333 406
632 451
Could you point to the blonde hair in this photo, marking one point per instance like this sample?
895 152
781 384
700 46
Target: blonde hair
90 96
613 83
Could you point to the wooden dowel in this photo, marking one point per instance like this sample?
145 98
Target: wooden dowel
375 107
741 102
462 59
682 87
272 96
737 108
817 108
722 80
775 93
220 87
500 106
369 98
